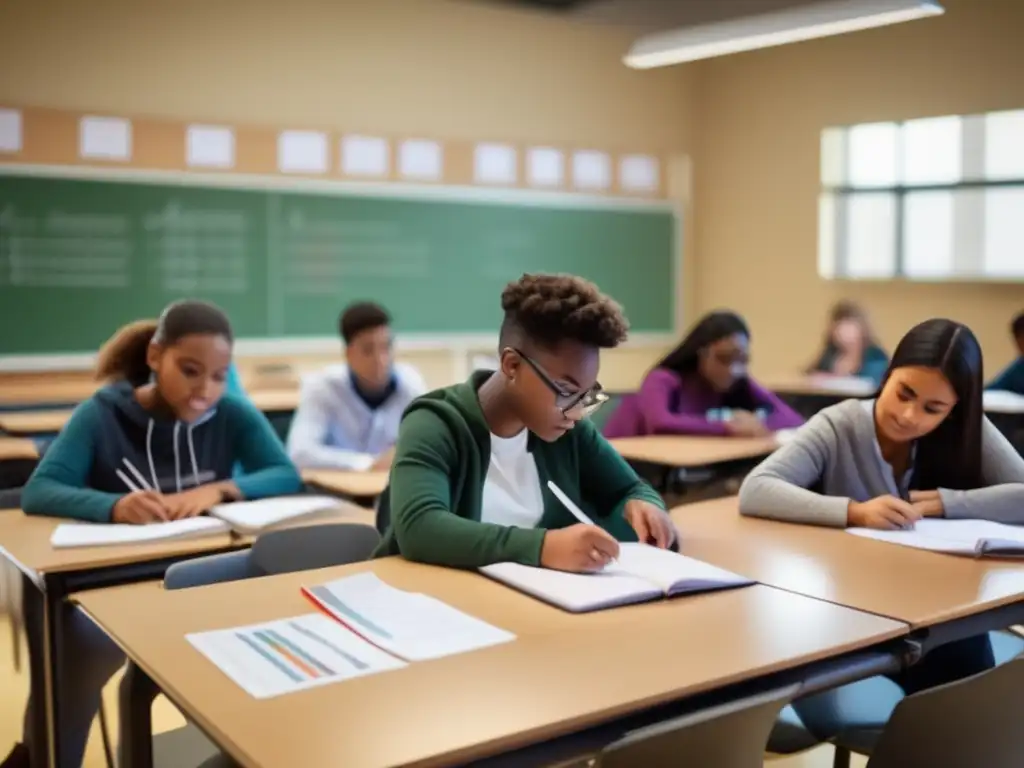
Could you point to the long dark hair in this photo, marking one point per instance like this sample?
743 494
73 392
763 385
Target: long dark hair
684 360
123 356
949 456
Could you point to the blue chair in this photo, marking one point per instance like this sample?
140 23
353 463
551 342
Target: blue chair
856 722
285 551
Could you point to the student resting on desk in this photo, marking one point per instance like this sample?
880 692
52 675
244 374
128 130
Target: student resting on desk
702 388
1012 377
158 443
850 347
469 482
922 448
348 415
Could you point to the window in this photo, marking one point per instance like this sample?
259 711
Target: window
932 199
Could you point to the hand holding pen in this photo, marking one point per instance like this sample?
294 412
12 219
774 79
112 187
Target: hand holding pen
578 548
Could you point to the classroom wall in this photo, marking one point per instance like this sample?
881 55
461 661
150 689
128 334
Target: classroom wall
756 171
438 68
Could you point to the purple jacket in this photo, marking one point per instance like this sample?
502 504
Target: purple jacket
670 405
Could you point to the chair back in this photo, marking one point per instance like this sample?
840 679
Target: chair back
965 724
10 498
733 735
306 547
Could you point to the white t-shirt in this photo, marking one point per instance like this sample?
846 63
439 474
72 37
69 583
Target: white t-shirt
512 494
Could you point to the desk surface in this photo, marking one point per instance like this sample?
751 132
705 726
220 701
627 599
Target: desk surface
688 451
12 448
562 674
269 400
55 390
1001 401
34 422
357 485
911 585
826 386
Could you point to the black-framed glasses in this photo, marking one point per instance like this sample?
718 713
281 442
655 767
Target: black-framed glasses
589 400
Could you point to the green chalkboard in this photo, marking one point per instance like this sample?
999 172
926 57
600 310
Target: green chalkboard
79 257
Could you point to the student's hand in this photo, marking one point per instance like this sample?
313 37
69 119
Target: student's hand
652 524
746 424
139 508
885 512
383 462
578 548
194 502
845 365
928 503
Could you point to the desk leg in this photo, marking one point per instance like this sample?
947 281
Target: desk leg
135 705
53 604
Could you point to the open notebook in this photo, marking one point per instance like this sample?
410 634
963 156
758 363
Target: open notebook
642 573
959 537
241 516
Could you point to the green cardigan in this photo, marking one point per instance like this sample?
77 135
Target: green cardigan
437 480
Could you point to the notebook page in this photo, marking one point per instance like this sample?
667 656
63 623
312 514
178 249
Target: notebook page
669 570
289 655
575 592
263 513
68 535
953 536
412 626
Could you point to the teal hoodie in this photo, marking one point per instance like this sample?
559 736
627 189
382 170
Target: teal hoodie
112 443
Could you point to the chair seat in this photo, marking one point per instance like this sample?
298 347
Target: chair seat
187 748
789 734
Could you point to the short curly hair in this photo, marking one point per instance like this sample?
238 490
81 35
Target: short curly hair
550 309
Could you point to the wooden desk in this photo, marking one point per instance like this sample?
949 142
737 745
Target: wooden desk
25 541
689 452
562 674
838 387
911 585
34 422
54 391
275 400
352 485
15 448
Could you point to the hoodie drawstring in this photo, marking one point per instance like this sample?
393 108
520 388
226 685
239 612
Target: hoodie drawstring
177 463
149 455
192 455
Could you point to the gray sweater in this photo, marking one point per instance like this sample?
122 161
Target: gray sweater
837 452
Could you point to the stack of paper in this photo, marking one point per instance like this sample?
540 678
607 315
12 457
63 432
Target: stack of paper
109 534
958 537
642 573
255 516
291 655
412 626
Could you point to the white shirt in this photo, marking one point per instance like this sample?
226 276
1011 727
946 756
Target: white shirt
334 428
512 494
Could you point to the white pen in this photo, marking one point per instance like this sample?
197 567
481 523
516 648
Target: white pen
578 513
568 504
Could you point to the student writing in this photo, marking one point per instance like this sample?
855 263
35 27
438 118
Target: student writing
1011 378
702 387
469 482
158 443
923 447
850 347
348 415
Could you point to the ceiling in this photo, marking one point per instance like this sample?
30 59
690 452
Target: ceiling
650 15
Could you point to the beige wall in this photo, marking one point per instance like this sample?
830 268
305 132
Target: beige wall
756 161
459 70
431 67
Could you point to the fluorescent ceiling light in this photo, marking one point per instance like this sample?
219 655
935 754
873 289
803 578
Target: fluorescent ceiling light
779 28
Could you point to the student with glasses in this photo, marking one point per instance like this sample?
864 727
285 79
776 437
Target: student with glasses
702 387
469 484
